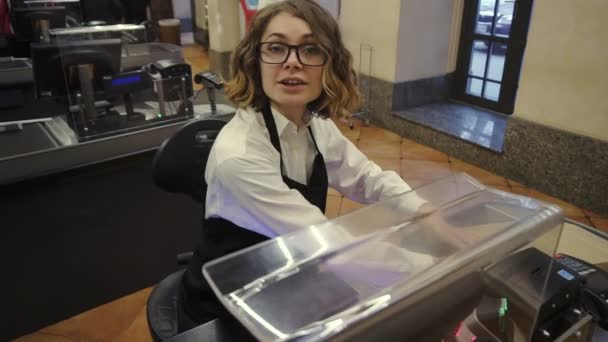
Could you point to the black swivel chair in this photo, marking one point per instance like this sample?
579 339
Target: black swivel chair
178 167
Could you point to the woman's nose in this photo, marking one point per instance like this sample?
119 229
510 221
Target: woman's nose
292 59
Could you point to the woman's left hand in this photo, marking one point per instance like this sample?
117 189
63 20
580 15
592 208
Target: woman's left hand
434 223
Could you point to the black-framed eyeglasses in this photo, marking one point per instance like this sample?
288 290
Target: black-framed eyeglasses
277 53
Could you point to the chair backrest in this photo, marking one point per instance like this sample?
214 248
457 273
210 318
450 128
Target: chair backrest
179 164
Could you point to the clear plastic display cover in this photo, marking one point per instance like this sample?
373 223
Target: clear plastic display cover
103 97
127 33
394 269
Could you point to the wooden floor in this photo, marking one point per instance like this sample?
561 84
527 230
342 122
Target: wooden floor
198 59
125 319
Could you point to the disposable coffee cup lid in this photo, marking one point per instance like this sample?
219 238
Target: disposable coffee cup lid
168 22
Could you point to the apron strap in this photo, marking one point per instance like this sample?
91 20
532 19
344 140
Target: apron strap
313 140
274 135
272 130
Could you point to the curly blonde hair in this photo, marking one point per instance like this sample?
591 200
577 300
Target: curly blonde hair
340 93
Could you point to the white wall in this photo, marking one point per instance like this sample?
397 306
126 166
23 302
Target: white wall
564 76
412 39
368 22
201 14
224 24
181 9
564 79
332 6
456 27
425 33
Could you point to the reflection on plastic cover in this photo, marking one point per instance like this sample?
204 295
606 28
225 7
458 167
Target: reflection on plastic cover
320 281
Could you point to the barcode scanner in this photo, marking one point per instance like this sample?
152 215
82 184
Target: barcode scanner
211 81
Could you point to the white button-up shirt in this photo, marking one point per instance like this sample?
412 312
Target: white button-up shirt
244 178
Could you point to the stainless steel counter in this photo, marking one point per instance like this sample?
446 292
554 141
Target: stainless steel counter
50 147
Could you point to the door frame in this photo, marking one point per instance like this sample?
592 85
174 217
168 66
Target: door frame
516 43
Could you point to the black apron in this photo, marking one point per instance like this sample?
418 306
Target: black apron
198 303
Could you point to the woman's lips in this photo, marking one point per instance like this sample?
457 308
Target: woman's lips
291 86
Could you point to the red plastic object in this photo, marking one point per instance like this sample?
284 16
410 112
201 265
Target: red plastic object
249 12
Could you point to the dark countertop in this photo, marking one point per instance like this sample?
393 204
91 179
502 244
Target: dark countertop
87 220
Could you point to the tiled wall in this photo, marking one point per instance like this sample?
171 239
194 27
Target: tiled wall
387 97
560 163
420 92
377 94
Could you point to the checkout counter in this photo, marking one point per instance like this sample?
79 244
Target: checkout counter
503 268
94 94
78 206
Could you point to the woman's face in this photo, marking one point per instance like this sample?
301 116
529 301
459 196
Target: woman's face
290 85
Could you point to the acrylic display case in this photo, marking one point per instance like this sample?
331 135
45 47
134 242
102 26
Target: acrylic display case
103 97
128 33
397 270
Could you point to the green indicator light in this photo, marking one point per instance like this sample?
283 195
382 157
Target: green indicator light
504 306
159 115
502 311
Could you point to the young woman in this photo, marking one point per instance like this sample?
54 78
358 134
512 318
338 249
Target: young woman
270 167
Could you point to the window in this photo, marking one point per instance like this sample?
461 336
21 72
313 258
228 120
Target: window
491 50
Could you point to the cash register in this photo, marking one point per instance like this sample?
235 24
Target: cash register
87 78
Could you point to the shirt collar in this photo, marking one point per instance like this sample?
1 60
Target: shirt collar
284 124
